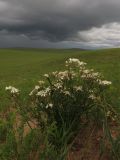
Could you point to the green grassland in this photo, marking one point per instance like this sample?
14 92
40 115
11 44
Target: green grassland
23 68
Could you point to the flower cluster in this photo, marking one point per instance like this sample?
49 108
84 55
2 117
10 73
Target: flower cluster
70 82
78 88
63 75
43 93
90 74
75 62
12 90
34 91
104 82
58 85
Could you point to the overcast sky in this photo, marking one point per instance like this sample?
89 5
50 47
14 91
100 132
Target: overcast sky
60 23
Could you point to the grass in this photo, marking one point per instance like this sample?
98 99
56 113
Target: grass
22 68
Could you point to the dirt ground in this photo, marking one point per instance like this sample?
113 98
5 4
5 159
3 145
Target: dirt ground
87 145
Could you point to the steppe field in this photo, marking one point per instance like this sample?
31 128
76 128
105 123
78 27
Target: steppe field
23 68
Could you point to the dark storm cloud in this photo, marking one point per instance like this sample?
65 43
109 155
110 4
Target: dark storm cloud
56 20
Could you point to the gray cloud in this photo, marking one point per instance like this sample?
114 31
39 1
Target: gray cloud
52 21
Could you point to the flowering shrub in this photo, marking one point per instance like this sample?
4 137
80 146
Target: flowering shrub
69 99
67 96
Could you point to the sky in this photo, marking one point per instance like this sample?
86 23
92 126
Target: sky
88 24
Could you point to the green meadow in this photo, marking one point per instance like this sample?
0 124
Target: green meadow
23 68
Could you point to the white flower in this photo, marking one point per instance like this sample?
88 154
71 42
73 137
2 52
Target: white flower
44 93
12 90
105 83
91 91
37 87
55 73
46 75
8 88
86 71
92 97
31 93
50 105
89 74
58 85
67 93
41 83
41 93
75 61
82 63
63 75
48 90
34 91
78 88
96 74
